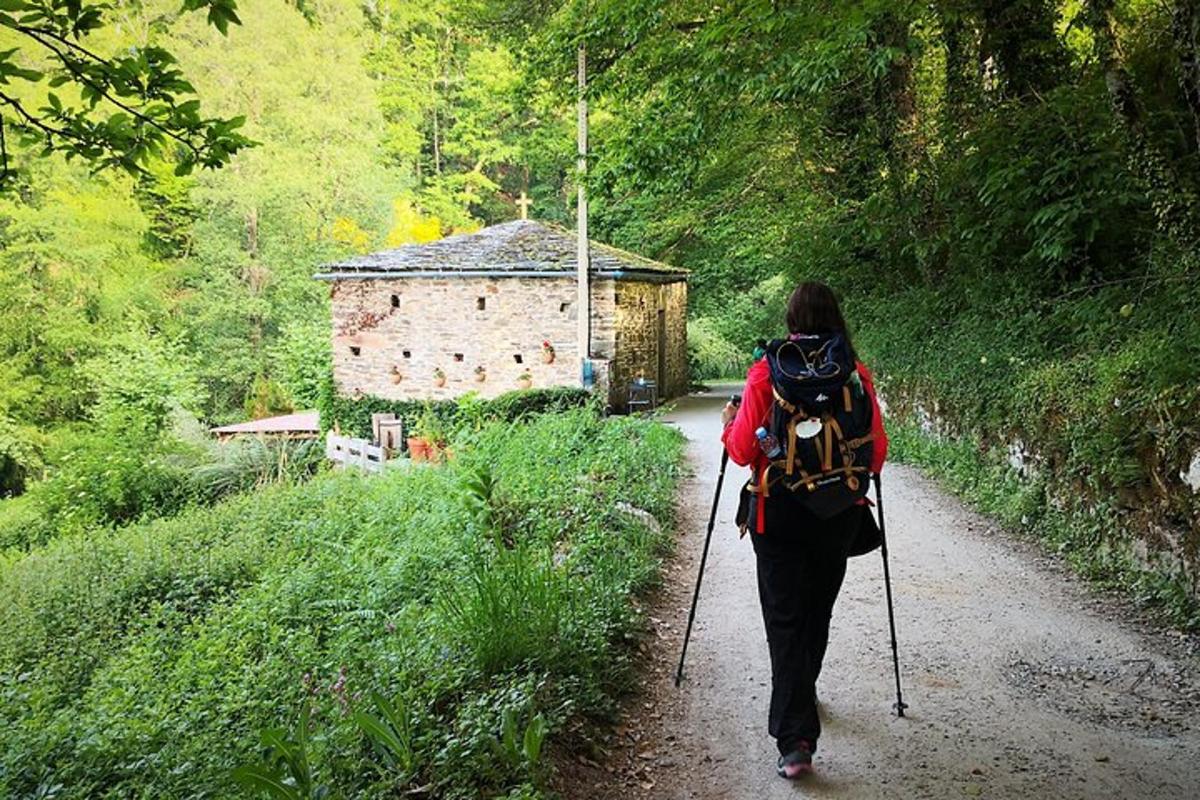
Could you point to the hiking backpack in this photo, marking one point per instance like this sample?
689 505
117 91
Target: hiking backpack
822 419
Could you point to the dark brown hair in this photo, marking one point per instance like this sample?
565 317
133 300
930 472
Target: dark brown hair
813 308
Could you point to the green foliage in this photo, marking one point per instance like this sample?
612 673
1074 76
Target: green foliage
284 773
372 125
118 471
249 463
353 415
126 467
142 376
520 746
117 110
711 355
390 730
20 456
143 661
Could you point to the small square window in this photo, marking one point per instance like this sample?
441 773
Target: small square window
564 308
356 351
480 303
517 358
407 353
395 301
458 356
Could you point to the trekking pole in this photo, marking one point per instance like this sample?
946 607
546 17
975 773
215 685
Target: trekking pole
887 582
712 520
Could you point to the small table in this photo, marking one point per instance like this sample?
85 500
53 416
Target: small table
643 396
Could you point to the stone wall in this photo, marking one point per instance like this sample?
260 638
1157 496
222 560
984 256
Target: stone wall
390 335
636 327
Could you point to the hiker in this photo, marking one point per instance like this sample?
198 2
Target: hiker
805 505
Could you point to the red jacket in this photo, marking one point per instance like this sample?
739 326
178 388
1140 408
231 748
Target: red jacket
755 411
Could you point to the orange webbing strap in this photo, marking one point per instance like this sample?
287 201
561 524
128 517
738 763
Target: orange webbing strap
788 407
837 429
791 445
841 437
827 458
854 444
846 397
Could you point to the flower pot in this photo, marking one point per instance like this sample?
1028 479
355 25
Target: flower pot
439 382
481 377
418 448
435 453
524 383
547 356
396 377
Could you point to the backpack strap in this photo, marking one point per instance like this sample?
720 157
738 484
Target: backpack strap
791 445
788 407
827 456
846 398
854 444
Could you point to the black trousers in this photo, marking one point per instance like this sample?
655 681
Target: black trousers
801 565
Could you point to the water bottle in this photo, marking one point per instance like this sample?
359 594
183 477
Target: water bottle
768 443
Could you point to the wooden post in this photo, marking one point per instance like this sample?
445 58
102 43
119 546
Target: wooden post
583 301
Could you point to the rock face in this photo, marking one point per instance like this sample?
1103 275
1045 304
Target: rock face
473 313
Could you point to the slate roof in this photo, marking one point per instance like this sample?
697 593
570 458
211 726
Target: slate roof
517 247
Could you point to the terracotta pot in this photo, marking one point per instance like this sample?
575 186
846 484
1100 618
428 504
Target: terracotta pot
418 448
439 382
435 452
480 377
547 356
396 377
524 383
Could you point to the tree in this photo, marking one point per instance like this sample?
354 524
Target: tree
59 93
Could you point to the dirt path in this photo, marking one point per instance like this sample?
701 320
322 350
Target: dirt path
1022 683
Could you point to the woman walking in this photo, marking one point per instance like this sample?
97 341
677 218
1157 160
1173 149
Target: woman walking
800 543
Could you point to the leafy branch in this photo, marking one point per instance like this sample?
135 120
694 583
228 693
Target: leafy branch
134 106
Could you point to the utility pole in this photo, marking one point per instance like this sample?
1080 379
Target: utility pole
583 301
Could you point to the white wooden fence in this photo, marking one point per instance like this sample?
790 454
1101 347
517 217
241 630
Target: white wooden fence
351 452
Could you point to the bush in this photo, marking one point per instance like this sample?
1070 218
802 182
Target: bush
253 462
122 469
20 456
353 415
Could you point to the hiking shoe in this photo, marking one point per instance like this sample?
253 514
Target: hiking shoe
797 762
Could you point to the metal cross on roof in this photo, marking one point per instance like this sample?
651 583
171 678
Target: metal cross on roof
524 203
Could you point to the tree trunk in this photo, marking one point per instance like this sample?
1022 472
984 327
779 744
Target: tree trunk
961 74
1019 35
1172 200
895 101
1185 28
